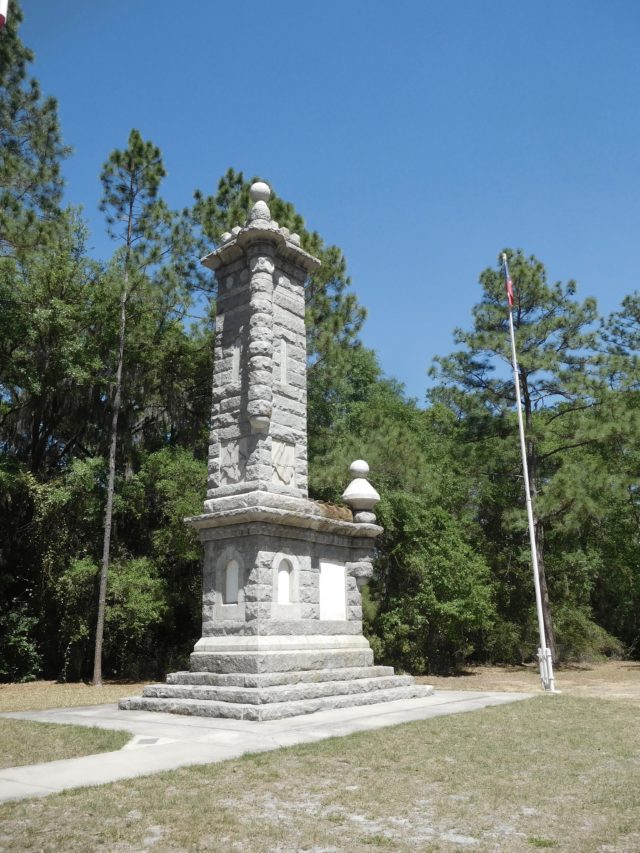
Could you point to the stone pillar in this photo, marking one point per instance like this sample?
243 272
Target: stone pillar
258 426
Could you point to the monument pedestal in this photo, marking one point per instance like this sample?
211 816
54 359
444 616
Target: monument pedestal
282 617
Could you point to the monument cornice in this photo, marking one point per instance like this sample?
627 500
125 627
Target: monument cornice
269 508
236 246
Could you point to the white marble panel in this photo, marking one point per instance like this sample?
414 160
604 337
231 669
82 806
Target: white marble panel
333 593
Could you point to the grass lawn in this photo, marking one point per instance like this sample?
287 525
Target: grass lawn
40 695
24 742
612 679
557 772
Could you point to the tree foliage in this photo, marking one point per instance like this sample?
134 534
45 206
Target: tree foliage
31 148
568 425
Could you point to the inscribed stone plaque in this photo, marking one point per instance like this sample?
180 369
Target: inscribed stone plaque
283 460
233 461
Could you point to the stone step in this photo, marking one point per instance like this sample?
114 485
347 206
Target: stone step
272 679
279 661
279 693
271 711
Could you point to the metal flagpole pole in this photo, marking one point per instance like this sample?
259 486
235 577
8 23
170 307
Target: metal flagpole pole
544 653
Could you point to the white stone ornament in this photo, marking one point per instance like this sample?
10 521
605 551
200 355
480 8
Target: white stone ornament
260 194
359 468
360 494
260 191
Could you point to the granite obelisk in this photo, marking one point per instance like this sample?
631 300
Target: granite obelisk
281 611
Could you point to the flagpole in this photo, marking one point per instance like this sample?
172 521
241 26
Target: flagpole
544 653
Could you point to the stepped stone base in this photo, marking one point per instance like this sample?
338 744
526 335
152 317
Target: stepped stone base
268 701
274 679
267 678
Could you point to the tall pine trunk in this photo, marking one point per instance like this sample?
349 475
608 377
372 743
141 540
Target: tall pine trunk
108 515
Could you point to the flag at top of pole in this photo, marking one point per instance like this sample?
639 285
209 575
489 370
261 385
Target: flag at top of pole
508 284
4 5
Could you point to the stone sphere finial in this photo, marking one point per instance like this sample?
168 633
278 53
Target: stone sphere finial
359 468
360 494
260 194
259 191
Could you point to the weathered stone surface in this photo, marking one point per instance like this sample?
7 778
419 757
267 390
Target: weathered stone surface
264 695
260 348
272 711
274 679
292 661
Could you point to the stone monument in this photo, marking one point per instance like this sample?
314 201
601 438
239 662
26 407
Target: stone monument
281 610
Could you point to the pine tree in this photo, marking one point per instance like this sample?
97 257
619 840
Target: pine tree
31 148
621 336
553 340
135 216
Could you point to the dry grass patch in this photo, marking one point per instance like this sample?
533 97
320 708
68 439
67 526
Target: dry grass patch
607 680
557 772
24 742
40 695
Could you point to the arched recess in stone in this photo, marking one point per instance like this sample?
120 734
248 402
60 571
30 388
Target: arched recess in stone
286 584
229 583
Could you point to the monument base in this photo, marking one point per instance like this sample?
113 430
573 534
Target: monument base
269 688
260 659
271 677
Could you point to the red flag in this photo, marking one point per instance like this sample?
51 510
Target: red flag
3 12
509 288
508 284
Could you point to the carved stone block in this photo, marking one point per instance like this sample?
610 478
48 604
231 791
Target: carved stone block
283 459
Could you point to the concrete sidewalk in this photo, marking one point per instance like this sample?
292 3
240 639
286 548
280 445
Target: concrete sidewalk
168 741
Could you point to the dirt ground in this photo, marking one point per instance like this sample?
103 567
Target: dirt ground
609 680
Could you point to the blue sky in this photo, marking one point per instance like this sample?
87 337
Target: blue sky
420 137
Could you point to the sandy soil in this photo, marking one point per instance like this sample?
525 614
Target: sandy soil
610 680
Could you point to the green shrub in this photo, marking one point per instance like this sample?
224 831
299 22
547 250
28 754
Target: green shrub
20 659
579 638
436 595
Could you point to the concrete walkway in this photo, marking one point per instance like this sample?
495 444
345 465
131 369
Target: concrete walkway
168 741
